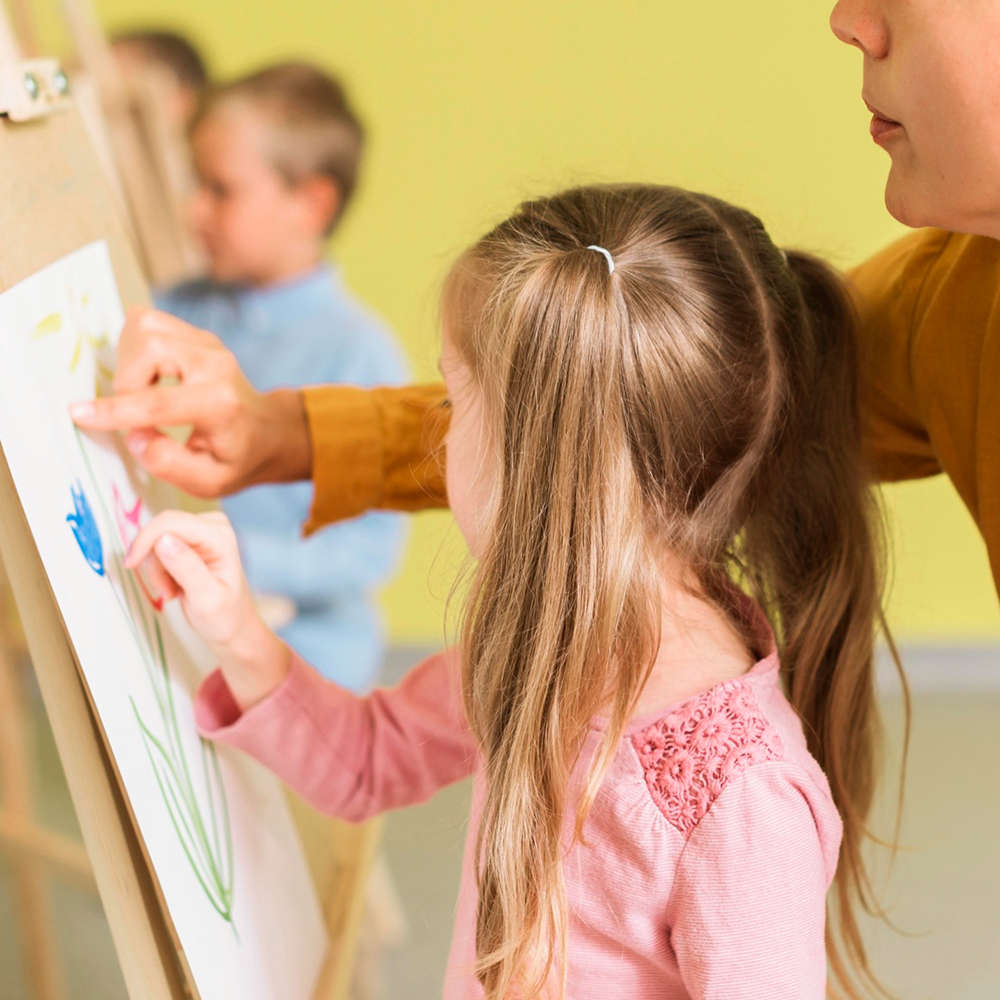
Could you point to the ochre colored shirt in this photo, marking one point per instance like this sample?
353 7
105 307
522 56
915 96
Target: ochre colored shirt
376 449
930 307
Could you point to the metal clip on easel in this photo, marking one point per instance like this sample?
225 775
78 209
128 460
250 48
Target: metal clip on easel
31 88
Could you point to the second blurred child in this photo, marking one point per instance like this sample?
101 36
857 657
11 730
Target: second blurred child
178 62
277 156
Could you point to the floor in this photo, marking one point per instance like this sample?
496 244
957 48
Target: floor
943 892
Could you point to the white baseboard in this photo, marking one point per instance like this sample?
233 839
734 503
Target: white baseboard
944 669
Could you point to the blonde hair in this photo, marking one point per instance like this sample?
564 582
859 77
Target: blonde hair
315 132
701 397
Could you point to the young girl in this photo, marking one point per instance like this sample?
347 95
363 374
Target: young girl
650 402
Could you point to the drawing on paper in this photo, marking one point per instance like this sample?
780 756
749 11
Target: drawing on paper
90 333
85 530
201 822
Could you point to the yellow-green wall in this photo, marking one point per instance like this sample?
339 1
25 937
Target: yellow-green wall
473 105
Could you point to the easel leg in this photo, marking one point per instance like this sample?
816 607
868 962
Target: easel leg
37 929
40 947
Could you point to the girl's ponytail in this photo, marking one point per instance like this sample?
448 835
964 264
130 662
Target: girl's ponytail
817 543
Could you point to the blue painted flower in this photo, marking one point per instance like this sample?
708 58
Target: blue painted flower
85 528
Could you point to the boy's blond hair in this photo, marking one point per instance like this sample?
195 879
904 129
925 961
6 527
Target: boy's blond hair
315 130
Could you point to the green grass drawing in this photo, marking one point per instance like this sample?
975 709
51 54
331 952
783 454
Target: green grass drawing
204 831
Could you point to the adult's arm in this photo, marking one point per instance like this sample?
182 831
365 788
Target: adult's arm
389 437
171 374
376 449
363 448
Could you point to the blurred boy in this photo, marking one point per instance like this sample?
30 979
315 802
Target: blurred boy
277 157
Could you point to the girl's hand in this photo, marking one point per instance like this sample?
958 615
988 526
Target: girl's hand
195 558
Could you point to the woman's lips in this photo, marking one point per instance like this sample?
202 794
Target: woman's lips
881 126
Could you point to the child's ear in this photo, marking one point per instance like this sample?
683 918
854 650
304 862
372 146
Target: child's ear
321 200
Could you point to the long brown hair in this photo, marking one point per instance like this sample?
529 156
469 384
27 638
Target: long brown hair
700 398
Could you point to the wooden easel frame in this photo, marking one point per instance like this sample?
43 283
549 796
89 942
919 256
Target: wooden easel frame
32 151
24 26
141 145
55 198
36 852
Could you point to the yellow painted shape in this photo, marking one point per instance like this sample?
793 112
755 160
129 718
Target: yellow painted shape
46 327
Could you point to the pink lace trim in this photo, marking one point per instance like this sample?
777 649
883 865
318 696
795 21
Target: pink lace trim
690 756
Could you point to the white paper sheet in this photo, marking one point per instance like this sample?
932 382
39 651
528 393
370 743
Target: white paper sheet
215 825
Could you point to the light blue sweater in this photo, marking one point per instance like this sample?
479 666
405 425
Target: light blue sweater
307 332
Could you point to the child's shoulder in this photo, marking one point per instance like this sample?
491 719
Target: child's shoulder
734 750
360 335
193 301
194 290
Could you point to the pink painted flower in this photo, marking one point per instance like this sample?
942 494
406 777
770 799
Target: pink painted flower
129 521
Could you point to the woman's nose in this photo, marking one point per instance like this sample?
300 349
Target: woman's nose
863 24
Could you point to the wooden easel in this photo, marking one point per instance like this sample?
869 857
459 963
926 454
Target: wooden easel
24 27
37 852
144 152
56 199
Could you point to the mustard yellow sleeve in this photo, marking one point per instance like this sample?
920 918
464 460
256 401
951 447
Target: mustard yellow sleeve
888 291
375 449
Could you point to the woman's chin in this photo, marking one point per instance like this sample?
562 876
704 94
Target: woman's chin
919 205
904 204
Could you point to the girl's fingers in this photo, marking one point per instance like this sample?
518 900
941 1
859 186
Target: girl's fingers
187 568
194 557
210 536
142 544
158 579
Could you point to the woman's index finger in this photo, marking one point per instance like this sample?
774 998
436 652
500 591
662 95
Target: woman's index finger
156 406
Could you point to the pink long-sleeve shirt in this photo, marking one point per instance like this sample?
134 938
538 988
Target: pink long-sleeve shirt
708 852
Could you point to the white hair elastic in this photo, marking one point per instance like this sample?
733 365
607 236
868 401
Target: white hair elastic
611 260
